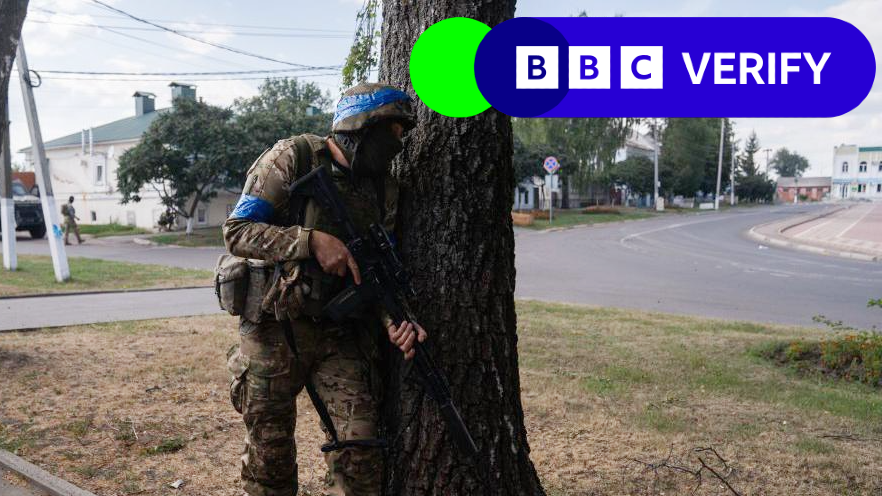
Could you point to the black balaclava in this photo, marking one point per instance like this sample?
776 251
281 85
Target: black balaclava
370 152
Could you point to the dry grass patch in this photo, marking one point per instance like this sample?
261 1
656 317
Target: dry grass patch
128 408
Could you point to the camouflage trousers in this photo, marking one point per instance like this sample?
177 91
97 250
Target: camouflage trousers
267 377
71 225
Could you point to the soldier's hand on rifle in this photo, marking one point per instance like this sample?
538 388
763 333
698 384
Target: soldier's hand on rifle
403 336
333 255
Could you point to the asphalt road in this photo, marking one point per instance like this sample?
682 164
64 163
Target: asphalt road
700 265
121 248
689 264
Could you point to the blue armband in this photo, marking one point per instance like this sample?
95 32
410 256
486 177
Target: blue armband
252 208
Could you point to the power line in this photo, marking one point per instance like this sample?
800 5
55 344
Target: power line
193 38
135 28
220 24
151 42
206 73
142 80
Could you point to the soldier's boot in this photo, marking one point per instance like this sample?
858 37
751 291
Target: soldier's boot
343 380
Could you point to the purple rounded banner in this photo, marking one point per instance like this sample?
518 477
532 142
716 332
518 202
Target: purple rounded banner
675 67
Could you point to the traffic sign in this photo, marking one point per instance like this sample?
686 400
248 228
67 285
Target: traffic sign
551 165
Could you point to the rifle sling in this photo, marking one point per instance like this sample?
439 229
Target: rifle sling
322 409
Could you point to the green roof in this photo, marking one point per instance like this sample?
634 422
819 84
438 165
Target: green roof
121 130
870 149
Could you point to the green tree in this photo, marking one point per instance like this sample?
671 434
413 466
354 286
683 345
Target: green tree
186 156
282 108
527 160
635 172
789 164
690 153
747 161
363 56
584 147
755 188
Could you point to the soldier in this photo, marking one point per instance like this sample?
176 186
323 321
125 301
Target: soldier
337 361
70 221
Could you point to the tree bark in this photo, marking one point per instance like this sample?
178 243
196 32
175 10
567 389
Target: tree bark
12 16
456 236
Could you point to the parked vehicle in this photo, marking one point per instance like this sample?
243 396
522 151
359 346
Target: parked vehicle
28 212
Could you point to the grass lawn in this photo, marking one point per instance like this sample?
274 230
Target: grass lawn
575 217
36 276
212 236
102 230
147 403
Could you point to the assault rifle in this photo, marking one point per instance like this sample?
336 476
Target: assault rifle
384 282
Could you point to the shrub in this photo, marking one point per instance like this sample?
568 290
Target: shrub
852 356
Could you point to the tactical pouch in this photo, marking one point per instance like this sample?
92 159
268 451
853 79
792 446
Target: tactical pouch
231 283
259 278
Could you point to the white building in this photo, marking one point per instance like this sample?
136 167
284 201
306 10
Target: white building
84 165
637 144
857 172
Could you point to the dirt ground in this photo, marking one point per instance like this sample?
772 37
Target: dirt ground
129 408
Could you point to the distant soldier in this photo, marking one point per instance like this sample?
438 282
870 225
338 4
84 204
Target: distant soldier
167 220
70 221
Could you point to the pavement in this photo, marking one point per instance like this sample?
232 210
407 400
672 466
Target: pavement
57 310
702 264
853 231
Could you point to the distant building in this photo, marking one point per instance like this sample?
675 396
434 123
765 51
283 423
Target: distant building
84 165
808 188
637 144
857 172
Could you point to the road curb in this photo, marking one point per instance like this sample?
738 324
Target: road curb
40 478
818 250
100 292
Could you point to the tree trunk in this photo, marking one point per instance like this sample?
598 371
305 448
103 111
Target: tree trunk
11 20
456 237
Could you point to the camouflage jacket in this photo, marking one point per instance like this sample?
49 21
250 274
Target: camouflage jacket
260 226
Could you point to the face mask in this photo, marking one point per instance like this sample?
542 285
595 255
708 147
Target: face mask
375 151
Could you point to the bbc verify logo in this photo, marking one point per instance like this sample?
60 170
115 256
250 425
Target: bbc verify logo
642 67
590 67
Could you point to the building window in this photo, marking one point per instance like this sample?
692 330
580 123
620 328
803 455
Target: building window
201 216
879 188
862 188
862 167
880 166
94 216
844 166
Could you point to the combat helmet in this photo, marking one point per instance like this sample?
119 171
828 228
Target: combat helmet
367 103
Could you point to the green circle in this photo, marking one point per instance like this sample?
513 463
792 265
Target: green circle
442 67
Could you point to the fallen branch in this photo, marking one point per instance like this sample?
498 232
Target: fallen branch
698 473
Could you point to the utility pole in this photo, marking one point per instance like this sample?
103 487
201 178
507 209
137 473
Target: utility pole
41 170
655 171
7 203
732 179
768 160
720 165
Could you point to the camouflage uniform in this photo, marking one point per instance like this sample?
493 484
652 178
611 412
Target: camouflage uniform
267 375
70 224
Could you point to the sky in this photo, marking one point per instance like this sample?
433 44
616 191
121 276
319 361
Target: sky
61 35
